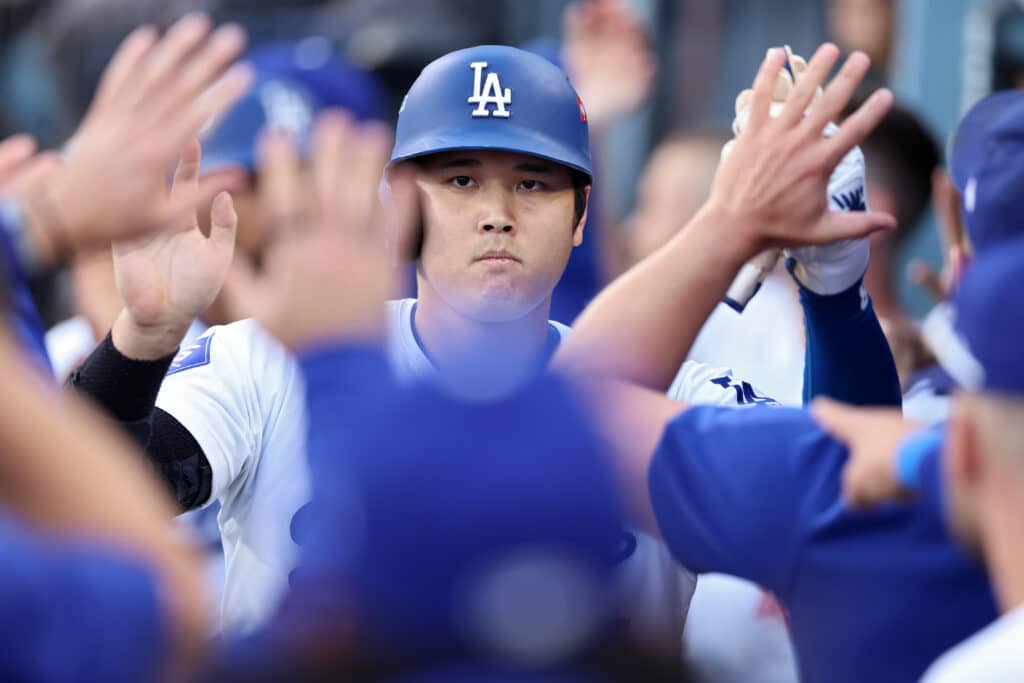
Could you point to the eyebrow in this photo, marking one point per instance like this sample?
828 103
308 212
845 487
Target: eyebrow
534 167
459 162
468 162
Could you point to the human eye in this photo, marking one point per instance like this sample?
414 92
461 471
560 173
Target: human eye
461 181
532 185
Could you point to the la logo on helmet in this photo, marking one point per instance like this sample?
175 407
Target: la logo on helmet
490 94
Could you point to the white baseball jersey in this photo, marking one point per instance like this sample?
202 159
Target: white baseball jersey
241 396
70 342
736 633
991 655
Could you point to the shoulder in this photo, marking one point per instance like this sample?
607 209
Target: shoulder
700 383
782 448
240 345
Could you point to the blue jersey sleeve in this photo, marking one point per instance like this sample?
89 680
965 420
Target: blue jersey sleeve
847 356
76 613
734 491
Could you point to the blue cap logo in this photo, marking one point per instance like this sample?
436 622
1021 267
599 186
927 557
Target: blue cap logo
286 108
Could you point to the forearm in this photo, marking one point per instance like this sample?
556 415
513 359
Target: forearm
62 469
126 389
641 327
847 357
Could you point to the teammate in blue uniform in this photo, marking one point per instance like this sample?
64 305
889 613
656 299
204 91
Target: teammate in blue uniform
757 494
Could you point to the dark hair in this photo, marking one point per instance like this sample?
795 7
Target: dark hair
580 183
901 154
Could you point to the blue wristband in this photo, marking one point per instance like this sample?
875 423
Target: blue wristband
912 452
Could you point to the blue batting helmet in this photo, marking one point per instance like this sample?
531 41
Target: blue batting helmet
294 83
493 97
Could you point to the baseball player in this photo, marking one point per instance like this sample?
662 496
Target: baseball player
498 140
756 494
967 471
504 167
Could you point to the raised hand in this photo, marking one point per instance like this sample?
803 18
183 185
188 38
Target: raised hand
608 56
773 185
155 95
167 278
327 272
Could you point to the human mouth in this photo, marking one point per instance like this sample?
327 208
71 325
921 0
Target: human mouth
499 255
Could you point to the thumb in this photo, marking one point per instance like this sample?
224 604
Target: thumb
223 222
837 419
836 226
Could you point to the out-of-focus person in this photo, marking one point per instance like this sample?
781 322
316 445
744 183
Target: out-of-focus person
757 344
971 470
607 53
294 81
869 26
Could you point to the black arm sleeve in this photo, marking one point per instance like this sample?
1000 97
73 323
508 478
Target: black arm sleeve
126 389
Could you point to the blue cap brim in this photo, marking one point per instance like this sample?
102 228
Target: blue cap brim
511 139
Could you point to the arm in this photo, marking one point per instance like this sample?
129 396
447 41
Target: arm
734 491
106 495
886 450
127 390
165 280
727 490
847 356
771 190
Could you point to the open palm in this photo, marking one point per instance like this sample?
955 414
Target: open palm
168 278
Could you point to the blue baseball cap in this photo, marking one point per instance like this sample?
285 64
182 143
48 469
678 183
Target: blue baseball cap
988 167
293 83
983 352
468 529
494 97
970 138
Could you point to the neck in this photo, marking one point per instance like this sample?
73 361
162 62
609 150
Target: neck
1004 552
480 359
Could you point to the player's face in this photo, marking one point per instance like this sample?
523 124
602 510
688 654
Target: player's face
673 187
498 231
254 222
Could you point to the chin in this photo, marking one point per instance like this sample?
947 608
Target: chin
498 304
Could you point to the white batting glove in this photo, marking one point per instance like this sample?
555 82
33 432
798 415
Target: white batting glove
834 268
828 269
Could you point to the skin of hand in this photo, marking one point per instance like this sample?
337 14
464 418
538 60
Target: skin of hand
953 237
873 437
749 184
770 191
154 96
168 278
327 272
607 53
